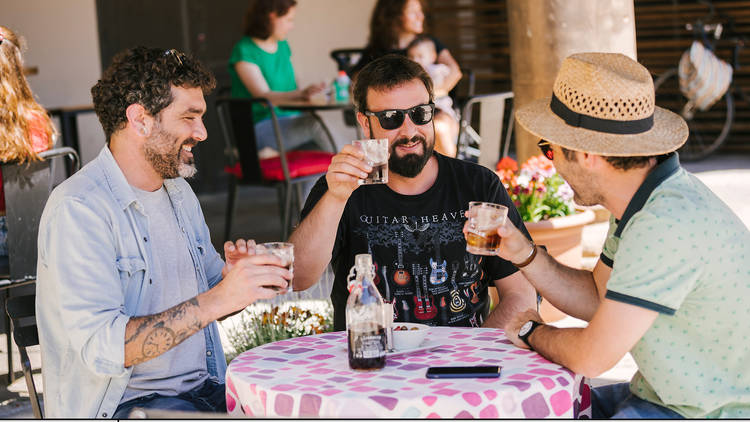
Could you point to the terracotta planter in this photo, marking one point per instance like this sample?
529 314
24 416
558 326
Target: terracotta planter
562 237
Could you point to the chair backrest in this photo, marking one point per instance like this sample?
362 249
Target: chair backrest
493 114
346 58
27 187
464 89
238 129
22 313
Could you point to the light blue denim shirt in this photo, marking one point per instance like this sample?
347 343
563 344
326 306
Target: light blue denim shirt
93 274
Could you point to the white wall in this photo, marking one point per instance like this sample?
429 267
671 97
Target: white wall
322 26
63 42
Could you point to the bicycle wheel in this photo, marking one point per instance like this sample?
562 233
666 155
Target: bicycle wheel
708 129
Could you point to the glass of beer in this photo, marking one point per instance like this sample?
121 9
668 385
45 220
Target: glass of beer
283 250
484 220
376 155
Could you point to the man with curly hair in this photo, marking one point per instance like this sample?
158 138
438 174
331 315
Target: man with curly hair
129 286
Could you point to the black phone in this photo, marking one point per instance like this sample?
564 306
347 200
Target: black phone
464 371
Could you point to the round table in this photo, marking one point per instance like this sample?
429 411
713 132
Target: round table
310 377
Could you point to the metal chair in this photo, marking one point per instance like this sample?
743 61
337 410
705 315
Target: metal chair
22 313
286 172
486 144
346 58
27 187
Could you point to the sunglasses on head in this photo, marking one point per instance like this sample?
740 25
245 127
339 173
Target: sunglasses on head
546 148
393 119
176 54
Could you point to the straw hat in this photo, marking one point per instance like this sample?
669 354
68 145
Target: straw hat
603 103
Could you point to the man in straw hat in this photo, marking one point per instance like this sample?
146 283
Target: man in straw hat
668 287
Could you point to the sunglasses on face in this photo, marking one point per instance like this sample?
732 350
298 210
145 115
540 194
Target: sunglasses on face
393 119
546 148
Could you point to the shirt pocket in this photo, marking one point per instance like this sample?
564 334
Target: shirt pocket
132 272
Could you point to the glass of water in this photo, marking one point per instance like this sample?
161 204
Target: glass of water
376 155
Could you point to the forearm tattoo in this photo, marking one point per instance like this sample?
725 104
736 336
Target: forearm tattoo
156 334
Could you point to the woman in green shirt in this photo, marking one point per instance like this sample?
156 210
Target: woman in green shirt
261 66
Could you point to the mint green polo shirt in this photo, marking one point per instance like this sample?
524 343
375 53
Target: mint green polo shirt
276 68
680 251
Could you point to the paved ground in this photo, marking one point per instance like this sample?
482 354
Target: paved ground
257 217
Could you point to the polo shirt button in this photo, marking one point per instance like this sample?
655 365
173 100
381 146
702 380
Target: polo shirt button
104 415
208 353
145 239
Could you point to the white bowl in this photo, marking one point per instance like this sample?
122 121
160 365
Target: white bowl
410 338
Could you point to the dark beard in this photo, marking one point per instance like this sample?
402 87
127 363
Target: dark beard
409 165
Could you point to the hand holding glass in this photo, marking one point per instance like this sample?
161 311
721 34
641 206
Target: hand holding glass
484 220
282 250
376 155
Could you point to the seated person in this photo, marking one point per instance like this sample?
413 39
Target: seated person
394 24
422 50
25 128
260 66
671 282
129 286
412 225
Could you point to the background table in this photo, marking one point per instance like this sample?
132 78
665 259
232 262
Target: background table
310 377
346 107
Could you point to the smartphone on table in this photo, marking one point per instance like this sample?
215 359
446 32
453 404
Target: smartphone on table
492 371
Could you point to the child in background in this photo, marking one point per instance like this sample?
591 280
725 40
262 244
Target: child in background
423 51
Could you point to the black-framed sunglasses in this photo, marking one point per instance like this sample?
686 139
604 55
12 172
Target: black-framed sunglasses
546 148
393 119
176 54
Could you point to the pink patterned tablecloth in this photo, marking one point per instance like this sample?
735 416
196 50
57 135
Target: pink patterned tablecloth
310 377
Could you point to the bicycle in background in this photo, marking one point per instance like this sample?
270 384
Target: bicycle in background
695 89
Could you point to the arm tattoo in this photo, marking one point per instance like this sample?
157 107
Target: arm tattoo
156 334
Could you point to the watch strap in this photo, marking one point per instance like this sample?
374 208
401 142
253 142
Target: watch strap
525 337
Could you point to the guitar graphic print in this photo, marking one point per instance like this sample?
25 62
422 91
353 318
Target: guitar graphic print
438 275
400 276
376 280
429 301
457 303
474 295
419 309
471 266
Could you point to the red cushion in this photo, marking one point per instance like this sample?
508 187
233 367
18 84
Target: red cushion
301 163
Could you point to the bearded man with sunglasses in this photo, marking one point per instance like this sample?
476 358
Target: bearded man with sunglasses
411 226
672 279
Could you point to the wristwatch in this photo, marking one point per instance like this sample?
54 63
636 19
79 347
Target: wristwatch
526 330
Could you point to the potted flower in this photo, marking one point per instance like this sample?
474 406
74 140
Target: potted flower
263 323
545 202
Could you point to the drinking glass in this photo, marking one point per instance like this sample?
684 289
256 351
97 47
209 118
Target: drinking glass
484 220
284 251
376 155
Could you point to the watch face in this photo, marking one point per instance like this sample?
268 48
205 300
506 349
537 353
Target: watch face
525 328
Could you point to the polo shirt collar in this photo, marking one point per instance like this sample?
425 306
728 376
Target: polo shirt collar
660 173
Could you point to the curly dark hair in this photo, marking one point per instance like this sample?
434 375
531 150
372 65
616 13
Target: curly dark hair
258 16
388 72
145 76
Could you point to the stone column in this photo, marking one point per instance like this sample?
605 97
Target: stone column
544 32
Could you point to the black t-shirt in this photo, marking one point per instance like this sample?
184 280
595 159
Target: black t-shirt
418 246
